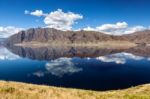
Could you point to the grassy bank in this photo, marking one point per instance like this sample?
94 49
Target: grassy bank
14 90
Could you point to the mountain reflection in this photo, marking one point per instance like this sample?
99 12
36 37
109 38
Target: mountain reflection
105 55
5 54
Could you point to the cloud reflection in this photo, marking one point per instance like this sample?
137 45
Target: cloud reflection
39 74
67 66
5 54
119 58
62 66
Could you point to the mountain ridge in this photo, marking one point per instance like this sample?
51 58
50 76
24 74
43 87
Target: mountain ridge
50 35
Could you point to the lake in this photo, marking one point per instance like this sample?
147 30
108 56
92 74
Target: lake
74 67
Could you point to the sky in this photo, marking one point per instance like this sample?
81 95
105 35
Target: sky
115 17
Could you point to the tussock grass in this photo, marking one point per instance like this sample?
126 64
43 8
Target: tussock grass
14 90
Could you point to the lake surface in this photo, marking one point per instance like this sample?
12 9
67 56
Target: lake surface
83 68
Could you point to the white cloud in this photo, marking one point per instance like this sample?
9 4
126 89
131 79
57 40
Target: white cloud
8 31
114 29
61 20
88 29
109 27
37 13
135 29
119 28
58 19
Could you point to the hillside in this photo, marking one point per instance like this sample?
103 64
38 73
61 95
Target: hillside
139 37
50 35
14 90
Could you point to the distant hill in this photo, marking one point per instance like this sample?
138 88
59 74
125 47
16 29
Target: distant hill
139 37
53 35
50 35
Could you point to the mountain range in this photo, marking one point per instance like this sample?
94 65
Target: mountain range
54 36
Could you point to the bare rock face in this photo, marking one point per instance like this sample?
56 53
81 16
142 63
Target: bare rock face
49 35
53 35
29 35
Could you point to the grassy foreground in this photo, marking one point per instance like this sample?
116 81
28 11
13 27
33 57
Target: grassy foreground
14 90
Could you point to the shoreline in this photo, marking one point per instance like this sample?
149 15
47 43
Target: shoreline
107 44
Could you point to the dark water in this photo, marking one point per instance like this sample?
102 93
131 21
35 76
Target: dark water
84 68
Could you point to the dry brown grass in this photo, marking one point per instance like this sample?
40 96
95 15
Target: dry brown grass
106 44
14 90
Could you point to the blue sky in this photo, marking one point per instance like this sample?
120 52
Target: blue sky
95 12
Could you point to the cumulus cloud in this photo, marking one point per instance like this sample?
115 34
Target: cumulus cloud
88 29
37 13
8 31
135 29
118 28
109 27
57 19
61 20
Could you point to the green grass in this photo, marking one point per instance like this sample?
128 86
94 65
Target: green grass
14 90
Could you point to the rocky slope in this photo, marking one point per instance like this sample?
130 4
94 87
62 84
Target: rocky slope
52 35
139 37
49 35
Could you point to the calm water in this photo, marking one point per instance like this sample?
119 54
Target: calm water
84 68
